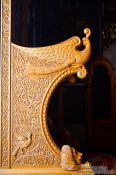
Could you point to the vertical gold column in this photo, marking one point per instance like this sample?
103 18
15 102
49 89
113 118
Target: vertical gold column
5 84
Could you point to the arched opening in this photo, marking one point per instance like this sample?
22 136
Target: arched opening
66 114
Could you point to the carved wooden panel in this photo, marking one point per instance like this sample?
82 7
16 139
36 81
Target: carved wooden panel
35 74
29 78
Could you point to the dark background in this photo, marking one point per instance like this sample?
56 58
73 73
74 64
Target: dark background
49 22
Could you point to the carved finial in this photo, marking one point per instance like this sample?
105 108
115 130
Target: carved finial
82 73
87 32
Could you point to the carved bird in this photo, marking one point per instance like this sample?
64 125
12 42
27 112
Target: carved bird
72 55
23 142
57 57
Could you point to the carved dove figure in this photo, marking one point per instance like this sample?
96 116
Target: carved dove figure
23 142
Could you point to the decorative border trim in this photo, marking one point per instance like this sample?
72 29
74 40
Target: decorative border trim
5 83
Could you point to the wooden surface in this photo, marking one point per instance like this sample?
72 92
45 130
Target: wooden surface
45 171
52 170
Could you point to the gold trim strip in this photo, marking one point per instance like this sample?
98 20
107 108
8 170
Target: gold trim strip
0 78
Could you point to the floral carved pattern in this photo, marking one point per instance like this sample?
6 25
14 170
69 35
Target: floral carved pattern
5 85
32 88
29 77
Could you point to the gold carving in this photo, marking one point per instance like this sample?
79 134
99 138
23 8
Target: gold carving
22 143
82 73
5 85
30 96
72 56
36 72
77 156
29 78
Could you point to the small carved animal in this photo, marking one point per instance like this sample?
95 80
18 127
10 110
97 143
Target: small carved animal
67 160
23 142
